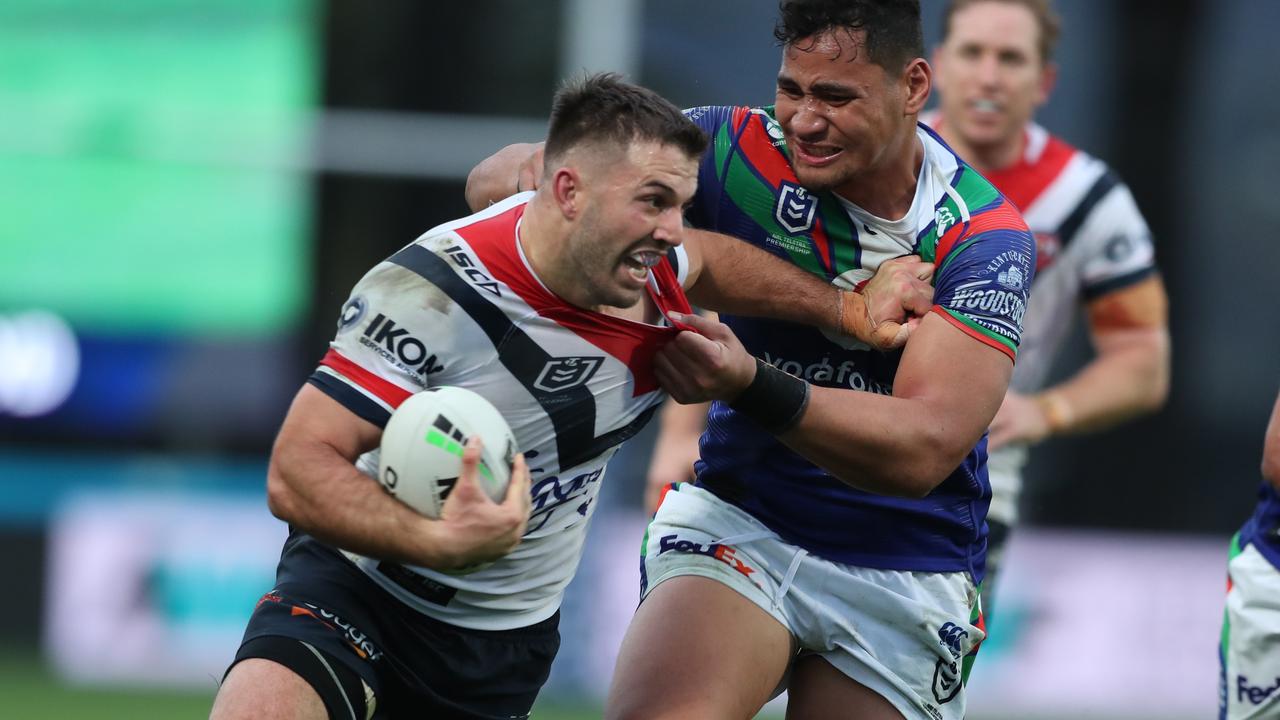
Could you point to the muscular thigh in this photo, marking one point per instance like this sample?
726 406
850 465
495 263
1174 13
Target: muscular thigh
698 649
818 691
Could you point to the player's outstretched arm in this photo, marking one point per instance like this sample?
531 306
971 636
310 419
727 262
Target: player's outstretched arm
313 484
946 391
732 276
1129 375
515 168
1271 448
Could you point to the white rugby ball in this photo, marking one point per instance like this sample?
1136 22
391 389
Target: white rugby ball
421 451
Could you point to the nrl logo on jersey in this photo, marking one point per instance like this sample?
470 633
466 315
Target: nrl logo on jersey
796 208
563 373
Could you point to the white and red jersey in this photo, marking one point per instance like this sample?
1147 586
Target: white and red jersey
1091 239
461 306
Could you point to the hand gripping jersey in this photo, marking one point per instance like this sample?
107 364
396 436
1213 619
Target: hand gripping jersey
985 259
1091 239
461 306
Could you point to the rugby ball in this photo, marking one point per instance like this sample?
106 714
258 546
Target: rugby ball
420 457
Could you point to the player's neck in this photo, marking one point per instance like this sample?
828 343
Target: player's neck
888 191
986 157
541 238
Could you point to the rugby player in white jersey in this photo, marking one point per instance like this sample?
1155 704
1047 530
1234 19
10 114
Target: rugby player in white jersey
551 305
993 70
1249 655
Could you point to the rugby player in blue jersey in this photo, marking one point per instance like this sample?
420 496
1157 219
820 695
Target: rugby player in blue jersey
1250 652
835 537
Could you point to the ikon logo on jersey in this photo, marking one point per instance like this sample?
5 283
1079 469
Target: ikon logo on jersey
796 208
395 344
566 372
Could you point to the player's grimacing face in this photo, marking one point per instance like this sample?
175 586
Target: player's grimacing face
839 111
633 214
989 72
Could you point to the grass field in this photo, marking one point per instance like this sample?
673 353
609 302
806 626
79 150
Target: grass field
31 692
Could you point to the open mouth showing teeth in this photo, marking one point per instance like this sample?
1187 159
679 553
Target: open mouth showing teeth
640 261
985 106
646 258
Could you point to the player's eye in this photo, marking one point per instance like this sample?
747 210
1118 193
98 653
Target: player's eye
1013 59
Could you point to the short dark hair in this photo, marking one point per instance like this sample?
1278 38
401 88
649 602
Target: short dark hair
1046 19
891 27
604 107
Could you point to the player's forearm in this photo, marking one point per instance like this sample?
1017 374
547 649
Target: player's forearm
1271 448
739 278
497 176
312 487
1129 379
881 444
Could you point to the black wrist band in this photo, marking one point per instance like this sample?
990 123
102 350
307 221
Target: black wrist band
775 400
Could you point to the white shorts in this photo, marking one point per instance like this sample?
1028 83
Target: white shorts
909 636
1250 653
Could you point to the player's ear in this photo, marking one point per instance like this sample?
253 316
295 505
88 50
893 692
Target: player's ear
917 79
566 188
1048 79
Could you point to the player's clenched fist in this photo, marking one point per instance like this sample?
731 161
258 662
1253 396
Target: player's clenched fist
709 364
887 308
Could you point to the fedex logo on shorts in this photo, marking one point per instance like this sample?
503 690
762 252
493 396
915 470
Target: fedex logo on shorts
1255 695
723 553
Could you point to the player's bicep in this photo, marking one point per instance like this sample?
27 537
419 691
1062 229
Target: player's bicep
983 285
1140 306
315 418
961 379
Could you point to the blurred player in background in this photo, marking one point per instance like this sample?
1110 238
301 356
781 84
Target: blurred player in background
552 306
1250 652
993 70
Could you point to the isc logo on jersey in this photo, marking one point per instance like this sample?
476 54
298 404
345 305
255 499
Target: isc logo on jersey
389 340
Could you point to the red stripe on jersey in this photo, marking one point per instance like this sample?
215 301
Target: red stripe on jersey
1001 217
1023 181
385 390
975 334
757 147
633 343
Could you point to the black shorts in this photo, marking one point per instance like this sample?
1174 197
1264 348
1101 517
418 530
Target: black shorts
333 626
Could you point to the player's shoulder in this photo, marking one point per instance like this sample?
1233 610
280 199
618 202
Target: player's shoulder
1069 164
973 203
734 122
447 254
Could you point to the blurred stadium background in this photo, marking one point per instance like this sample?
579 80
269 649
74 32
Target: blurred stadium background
188 188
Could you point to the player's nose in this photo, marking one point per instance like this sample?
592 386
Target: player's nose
670 227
